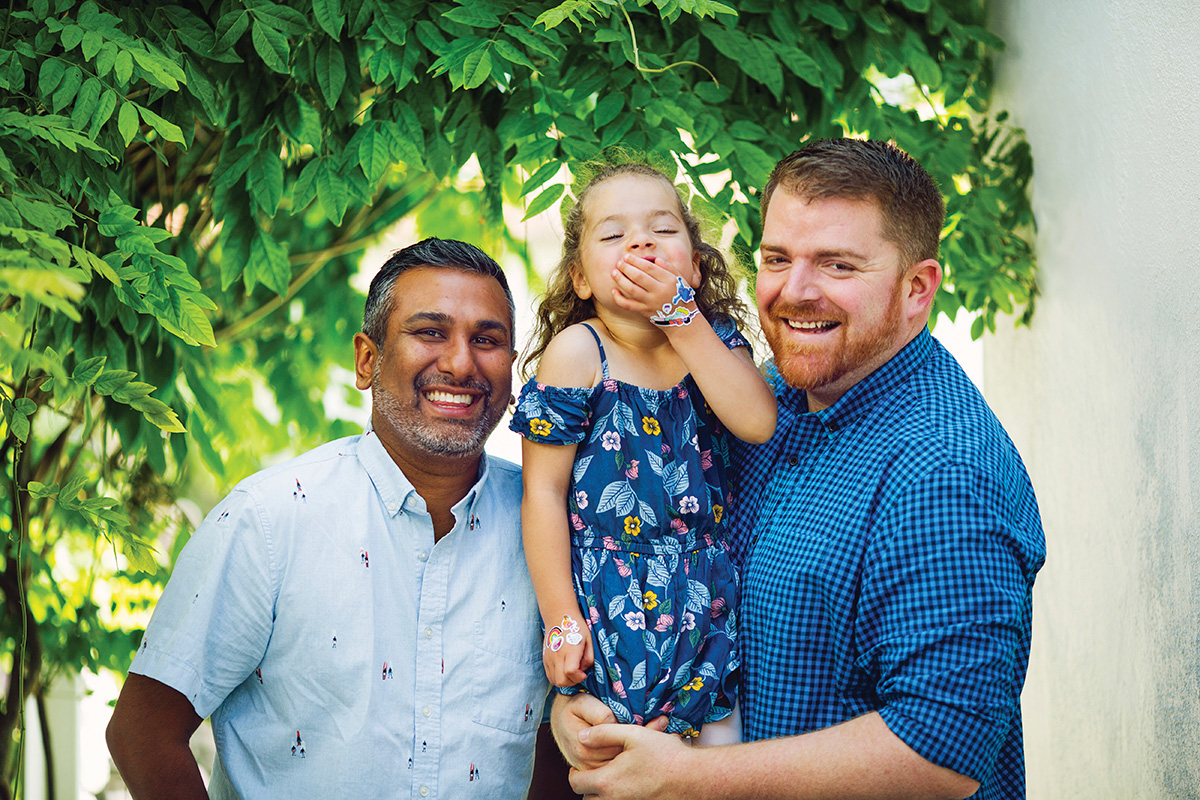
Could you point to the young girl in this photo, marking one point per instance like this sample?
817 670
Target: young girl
642 378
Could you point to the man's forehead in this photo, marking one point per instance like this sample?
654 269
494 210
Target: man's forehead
450 296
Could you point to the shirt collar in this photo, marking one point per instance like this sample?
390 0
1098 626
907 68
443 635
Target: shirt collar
862 395
395 489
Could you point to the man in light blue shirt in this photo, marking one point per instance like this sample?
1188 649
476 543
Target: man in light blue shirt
359 622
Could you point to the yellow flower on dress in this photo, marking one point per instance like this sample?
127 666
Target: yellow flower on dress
696 685
650 426
540 427
633 526
649 600
717 511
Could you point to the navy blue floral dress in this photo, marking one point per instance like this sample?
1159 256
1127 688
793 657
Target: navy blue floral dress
647 507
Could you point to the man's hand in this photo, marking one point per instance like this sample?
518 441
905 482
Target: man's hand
572 714
648 764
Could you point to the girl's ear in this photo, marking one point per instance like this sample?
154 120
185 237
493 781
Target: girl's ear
580 283
694 280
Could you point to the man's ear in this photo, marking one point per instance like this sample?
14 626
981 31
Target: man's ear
921 282
366 356
580 283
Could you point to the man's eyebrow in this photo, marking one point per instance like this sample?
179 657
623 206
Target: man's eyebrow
844 253
429 316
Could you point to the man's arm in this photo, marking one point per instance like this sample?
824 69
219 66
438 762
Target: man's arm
859 759
148 738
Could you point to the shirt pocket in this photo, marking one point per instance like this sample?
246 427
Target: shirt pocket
511 689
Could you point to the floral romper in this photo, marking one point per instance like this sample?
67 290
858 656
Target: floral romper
647 504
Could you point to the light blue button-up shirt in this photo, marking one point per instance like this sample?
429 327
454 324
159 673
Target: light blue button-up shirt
339 651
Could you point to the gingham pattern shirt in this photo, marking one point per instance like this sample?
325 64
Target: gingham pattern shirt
889 547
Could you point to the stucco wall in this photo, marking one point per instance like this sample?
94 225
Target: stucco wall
1102 395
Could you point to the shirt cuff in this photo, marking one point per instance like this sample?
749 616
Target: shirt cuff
948 736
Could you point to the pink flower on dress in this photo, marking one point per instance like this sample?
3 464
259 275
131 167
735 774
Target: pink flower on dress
622 568
706 459
541 387
581 499
619 688
666 449
610 543
577 522
637 718
679 526
683 392
593 616
609 384
668 707
610 440
717 604
688 622
665 621
631 472
635 620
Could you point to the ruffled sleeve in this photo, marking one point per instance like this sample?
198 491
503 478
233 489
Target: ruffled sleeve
728 332
552 414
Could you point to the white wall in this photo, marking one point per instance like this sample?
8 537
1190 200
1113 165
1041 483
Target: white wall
1102 394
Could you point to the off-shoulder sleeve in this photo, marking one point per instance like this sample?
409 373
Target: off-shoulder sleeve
552 414
728 332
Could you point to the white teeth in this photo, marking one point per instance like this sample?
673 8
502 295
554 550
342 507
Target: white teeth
446 397
811 327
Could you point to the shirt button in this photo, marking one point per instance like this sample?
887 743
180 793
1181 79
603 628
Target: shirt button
429 633
392 507
426 711
793 461
424 791
422 556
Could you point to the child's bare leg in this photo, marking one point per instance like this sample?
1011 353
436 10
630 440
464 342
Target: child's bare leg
725 731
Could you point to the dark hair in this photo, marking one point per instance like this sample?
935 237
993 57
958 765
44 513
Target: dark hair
561 307
913 208
431 252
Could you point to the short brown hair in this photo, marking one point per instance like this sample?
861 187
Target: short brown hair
913 209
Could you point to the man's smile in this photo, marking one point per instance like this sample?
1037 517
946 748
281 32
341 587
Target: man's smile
811 326
442 397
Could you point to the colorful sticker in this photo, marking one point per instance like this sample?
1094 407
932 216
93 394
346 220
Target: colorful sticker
571 630
554 639
676 312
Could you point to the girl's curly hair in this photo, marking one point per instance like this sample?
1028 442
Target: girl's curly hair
561 307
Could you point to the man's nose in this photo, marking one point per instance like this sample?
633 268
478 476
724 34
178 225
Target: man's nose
456 357
801 285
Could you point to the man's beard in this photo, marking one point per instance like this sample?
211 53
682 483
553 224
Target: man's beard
802 365
442 437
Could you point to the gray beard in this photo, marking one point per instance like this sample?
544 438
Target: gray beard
446 438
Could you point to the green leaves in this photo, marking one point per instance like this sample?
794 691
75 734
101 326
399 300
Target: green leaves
186 189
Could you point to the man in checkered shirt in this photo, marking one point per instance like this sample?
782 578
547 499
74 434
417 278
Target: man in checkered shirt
888 532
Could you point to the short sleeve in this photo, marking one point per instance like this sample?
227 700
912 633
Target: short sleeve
728 332
212 624
552 414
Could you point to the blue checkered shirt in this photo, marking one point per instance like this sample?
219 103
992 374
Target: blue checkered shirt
889 545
